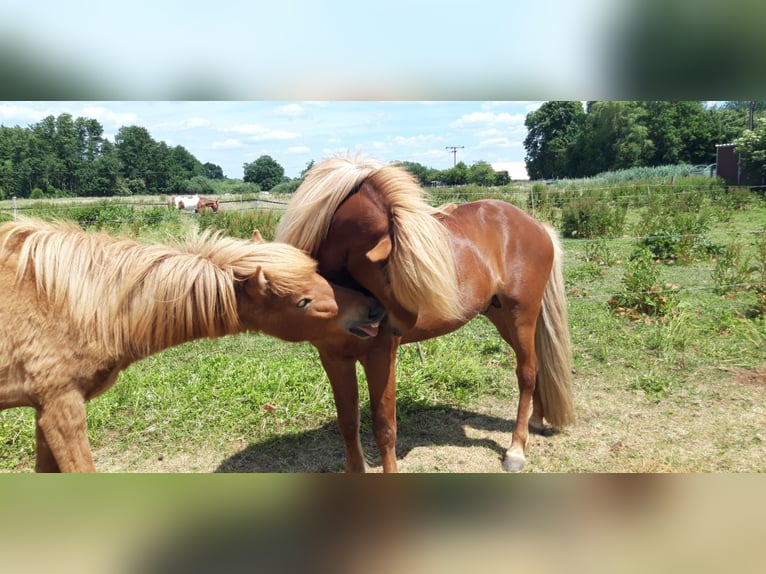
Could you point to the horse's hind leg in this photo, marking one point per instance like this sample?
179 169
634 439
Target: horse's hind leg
517 326
44 459
62 433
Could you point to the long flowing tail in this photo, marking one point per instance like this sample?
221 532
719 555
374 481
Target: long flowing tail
554 347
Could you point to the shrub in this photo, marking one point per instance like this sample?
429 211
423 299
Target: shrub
641 294
674 225
589 217
241 223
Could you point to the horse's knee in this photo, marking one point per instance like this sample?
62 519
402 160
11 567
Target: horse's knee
384 431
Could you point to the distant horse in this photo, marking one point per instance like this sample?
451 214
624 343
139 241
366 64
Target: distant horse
80 307
205 203
188 202
433 269
195 203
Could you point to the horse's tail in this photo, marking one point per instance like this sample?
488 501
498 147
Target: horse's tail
554 347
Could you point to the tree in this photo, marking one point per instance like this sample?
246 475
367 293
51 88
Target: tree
307 169
612 136
138 155
212 171
457 175
752 147
424 174
264 171
552 129
482 173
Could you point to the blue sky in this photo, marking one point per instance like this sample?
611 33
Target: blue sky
334 49
231 133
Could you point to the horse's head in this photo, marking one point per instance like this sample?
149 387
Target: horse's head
307 309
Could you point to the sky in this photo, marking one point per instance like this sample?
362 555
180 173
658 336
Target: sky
232 133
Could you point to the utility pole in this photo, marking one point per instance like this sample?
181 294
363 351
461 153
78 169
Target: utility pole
454 149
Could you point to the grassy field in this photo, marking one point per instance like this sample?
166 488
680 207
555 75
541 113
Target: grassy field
679 391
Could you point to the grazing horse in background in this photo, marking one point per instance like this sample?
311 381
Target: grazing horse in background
80 307
433 269
188 202
205 203
195 203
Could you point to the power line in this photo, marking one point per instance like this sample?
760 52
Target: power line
454 149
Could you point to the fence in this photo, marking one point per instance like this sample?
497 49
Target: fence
544 206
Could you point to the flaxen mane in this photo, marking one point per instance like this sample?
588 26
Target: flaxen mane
132 299
421 267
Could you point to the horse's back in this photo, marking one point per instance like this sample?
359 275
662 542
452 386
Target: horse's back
496 226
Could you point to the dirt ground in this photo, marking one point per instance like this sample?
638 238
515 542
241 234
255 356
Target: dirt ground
713 426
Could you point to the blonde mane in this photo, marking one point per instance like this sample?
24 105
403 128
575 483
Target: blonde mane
421 267
133 299
307 219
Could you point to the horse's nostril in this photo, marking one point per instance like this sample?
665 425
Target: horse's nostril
376 311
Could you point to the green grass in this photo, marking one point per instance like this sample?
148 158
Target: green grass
653 393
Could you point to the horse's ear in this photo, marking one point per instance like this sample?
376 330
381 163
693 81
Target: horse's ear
381 251
259 282
257 237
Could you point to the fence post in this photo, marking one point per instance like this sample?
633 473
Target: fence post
14 208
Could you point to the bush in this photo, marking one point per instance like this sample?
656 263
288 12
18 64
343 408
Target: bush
103 215
674 227
641 294
287 186
589 217
241 223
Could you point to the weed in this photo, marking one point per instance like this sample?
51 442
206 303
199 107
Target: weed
653 385
241 223
641 293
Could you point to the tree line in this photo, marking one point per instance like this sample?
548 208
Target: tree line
62 156
567 139
70 157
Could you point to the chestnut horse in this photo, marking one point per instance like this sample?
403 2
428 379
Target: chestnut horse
80 307
195 203
205 203
369 227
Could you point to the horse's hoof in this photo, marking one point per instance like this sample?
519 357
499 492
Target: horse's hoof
513 463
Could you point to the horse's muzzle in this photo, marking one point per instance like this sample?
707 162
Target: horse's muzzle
369 328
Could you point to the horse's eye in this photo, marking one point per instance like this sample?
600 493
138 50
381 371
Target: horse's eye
303 303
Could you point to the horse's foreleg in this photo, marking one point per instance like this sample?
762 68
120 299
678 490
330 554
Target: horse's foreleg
380 367
342 374
62 435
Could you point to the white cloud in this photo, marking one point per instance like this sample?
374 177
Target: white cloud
299 149
182 125
515 169
258 132
488 118
289 110
227 144
498 142
106 115
246 129
275 135
27 113
414 140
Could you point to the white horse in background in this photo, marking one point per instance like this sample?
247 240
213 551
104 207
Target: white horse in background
193 203
188 202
